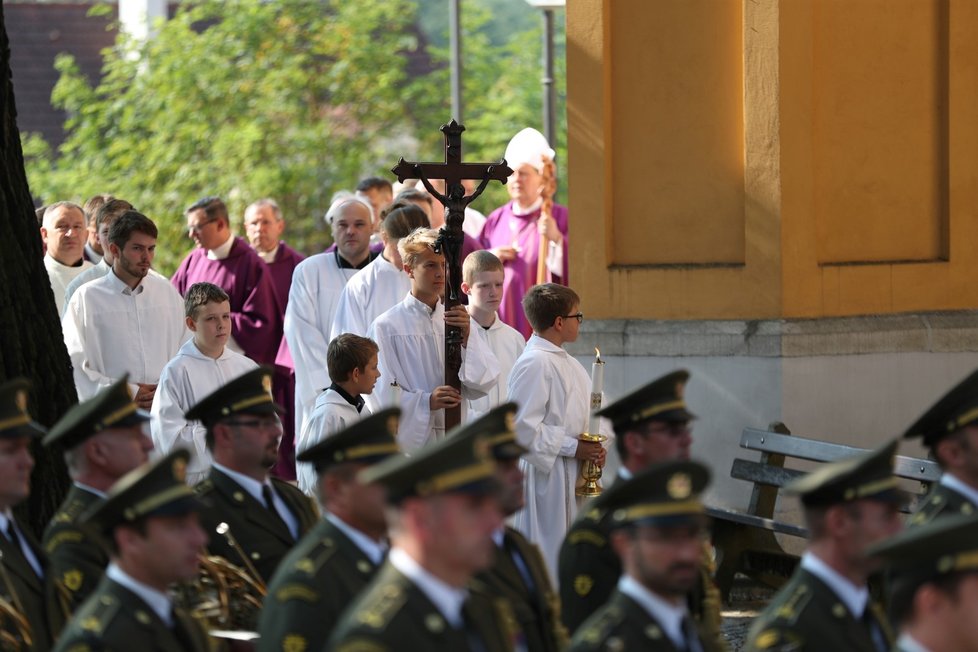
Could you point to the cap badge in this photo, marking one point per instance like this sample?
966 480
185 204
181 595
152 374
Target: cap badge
21 400
481 448
392 425
679 486
680 389
511 421
179 470
266 383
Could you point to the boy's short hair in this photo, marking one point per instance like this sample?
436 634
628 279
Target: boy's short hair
110 211
402 217
373 183
199 295
94 203
480 261
128 223
415 195
412 246
348 352
544 303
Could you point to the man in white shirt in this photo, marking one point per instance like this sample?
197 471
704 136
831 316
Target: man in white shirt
849 505
658 529
411 338
150 520
932 584
128 321
442 513
316 286
64 233
335 561
382 284
104 217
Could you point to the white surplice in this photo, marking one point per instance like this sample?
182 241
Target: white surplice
316 286
331 414
60 276
111 330
411 337
186 379
553 392
371 292
506 343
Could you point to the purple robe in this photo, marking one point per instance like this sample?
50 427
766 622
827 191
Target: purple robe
283 385
256 320
504 228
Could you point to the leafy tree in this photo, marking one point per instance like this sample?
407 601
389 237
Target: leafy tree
290 99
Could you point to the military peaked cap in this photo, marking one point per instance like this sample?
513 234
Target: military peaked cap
15 421
940 547
367 441
868 475
112 407
660 400
251 393
664 494
953 411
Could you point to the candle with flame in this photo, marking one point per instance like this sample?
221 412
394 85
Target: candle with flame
395 394
597 388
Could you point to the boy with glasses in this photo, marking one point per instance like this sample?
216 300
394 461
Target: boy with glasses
554 395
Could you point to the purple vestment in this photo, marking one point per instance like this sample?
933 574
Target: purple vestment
256 320
504 228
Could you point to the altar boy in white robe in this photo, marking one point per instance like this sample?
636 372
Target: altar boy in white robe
411 337
553 392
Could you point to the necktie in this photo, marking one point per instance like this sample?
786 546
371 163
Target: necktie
266 494
691 635
476 643
14 538
875 629
510 549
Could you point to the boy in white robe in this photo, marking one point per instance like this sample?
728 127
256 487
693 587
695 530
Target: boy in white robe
411 337
553 392
351 361
382 284
202 365
482 281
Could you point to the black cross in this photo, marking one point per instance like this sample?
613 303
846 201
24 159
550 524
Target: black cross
449 242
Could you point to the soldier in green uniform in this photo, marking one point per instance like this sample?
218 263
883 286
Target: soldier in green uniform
103 439
933 584
22 563
950 430
150 522
264 515
442 512
651 426
518 573
658 527
329 566
849 505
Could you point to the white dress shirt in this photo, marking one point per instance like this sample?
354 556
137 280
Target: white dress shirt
160 603
669 616
447 599
374 550
254 488
855 598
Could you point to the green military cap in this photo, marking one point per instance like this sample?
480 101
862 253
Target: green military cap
943 546
664 494
367 441
498 426
660 400
251 393
153 489
460 463
15 421
953 411
868 475
112 407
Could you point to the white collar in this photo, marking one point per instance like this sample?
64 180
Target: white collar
247 483
544 344
852 596
667 615
159 602
953 482
91 490
907 643
411 302
526 210
5 517
190 348
497 537
223 251
447 599
374 550
117 283
269 256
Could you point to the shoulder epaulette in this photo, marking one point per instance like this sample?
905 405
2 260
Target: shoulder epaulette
100 615
321 553
361 645
791 608
383 605
777 640
62 536
598 629
204 486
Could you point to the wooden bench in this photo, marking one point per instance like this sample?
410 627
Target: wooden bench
745 542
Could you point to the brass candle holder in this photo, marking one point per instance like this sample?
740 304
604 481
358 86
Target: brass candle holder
589 472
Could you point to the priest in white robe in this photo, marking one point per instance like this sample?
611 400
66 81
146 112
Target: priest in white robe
383 283
411 338
316 286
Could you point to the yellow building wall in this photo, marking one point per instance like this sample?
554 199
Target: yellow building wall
760 159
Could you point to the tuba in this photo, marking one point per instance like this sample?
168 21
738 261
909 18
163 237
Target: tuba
224 596
15 631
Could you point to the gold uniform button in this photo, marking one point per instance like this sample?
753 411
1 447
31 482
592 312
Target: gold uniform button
838 610
363 566
238 496
255 556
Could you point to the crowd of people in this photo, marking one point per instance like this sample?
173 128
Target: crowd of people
286 415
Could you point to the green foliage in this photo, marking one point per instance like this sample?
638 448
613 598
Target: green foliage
291 99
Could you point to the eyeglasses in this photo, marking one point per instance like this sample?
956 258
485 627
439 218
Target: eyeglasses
261 424
579 317
197 228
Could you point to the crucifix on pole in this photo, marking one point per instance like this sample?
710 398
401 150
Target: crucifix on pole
449 242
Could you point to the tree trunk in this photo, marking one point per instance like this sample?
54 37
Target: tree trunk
31 343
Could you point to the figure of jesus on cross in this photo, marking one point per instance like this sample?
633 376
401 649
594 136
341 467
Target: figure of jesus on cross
453 171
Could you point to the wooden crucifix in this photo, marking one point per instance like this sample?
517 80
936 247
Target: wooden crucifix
449 242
